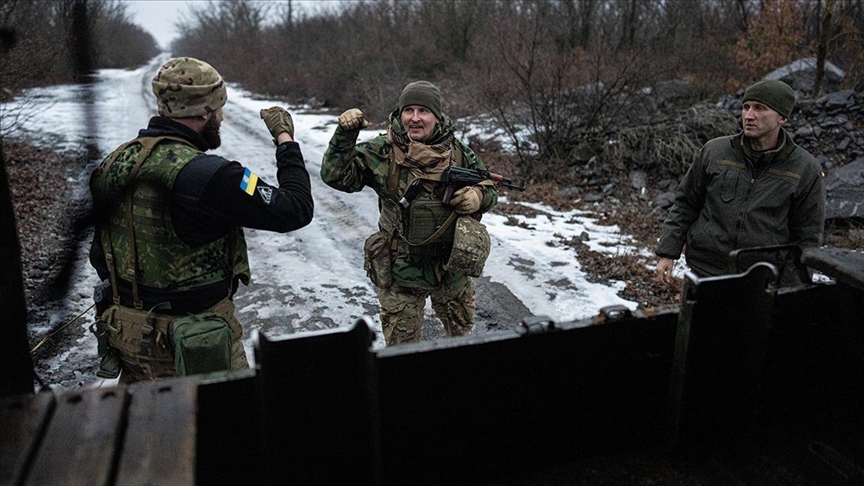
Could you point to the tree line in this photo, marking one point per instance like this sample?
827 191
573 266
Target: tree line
43 45
556 68
555 75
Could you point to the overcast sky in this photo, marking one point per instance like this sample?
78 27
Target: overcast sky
159 16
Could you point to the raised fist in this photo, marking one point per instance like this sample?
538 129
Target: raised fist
278 120
353 120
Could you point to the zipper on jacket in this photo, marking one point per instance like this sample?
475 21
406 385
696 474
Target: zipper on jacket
742 209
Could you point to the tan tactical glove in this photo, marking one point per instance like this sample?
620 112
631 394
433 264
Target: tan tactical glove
467 200
278 120
352 120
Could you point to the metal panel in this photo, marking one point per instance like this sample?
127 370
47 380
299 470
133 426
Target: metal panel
480 409
229 446
719 357
319 407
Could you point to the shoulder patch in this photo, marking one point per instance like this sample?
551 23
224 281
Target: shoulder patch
266 194
249 182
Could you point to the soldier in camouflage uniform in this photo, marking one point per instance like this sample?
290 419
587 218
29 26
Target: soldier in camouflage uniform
405 262
182 250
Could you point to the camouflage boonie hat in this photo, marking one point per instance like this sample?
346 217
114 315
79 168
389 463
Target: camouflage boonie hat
471 247
186 87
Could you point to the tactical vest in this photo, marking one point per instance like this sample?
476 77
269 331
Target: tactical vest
426 227
135 181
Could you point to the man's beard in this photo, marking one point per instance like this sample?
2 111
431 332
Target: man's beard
210 132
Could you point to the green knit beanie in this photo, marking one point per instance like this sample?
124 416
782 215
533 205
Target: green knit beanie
422 93
777 95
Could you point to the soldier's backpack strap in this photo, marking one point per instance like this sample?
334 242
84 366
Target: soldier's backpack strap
147 146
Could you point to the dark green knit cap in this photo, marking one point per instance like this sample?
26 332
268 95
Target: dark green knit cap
422 93
777 95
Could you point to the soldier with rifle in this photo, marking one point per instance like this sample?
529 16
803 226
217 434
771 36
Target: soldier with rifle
430 242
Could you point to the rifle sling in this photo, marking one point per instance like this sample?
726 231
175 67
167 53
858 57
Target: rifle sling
450 219
393 186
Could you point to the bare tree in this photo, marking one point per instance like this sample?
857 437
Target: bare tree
822 49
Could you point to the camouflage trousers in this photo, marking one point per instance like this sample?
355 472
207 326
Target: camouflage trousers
402 310
142 342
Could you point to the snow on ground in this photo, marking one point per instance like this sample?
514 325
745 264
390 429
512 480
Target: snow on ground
312 278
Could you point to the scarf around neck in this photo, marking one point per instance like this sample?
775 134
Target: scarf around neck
422 159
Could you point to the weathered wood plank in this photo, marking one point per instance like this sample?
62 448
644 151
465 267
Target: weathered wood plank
22 422
80 442
159 447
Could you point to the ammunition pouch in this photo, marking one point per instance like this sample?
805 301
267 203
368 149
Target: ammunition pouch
130 331
169 345
378 259
201 343
471 247
429 227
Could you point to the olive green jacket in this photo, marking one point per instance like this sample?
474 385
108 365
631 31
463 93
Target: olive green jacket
349 167
728 200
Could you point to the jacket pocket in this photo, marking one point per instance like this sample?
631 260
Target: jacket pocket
730 185
378 259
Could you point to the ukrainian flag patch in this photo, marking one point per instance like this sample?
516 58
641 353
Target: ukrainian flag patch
249 182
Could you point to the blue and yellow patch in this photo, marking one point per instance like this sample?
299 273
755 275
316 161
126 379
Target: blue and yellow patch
249 182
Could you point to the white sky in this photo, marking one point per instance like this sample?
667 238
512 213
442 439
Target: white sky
159 16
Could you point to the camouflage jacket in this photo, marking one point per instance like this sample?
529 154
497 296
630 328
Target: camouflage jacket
209 199
732 198
160 259
350 167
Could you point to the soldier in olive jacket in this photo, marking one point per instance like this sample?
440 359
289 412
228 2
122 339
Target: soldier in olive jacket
756 188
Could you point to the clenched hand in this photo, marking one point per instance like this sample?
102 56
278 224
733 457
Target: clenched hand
664 270
353 120
467 200
278 121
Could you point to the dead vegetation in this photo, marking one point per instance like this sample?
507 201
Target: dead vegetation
49 212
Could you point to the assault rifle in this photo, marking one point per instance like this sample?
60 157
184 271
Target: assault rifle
454 178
